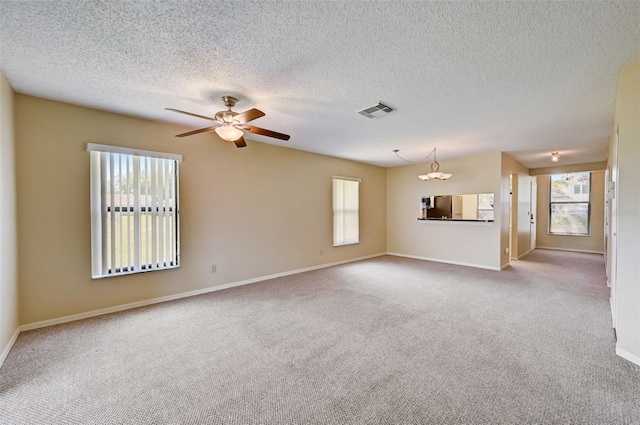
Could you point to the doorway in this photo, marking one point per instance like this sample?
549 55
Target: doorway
513 214
533 214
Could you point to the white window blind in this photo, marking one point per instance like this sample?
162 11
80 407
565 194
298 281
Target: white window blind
134 210
346 210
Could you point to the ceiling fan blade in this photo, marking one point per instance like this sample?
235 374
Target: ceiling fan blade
191 133
189 113
269 133
249 115
240 142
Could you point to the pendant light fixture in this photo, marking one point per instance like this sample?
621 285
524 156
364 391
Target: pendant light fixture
435 173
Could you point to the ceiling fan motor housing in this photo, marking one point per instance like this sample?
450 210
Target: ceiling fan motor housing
226 117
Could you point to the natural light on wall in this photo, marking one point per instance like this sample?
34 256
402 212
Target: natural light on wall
134 210
346 205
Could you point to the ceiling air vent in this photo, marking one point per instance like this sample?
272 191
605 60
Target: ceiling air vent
374 111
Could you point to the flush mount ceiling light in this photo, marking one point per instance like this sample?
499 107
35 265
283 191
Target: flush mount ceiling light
435 173
555 157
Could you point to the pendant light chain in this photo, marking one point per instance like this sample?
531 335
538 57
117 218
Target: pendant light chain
435 173
414 162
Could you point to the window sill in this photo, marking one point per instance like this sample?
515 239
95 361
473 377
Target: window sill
134 272
346 244
455 220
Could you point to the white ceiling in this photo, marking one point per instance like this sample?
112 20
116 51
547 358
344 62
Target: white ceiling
527 78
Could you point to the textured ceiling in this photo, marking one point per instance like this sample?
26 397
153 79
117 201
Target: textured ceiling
526 78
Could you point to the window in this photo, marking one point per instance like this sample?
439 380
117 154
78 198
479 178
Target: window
485 206
580 188
346 225
134 211
570 204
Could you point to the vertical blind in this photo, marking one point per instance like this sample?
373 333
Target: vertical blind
346 206
134 210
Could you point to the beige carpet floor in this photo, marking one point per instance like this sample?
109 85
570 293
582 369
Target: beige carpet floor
383 341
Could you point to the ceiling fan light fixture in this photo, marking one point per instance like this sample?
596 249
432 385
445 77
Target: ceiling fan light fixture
229 133
230 125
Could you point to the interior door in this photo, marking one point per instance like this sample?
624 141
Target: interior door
607 214
533 214
613 226
512 235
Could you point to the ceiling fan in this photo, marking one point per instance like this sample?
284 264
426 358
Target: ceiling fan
231 125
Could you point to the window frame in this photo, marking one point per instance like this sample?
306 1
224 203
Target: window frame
588 202
101 209
491 209
341 240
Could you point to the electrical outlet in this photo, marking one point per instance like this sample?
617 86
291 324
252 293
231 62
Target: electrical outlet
214 268
506 250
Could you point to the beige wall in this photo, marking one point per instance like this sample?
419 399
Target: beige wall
8 237
627 284
253 212
521 236
573 168
592 243
457 242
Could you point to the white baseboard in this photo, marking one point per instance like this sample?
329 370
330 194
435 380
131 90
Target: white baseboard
439 260
628 356
613 316
586 251
122 307
9 346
